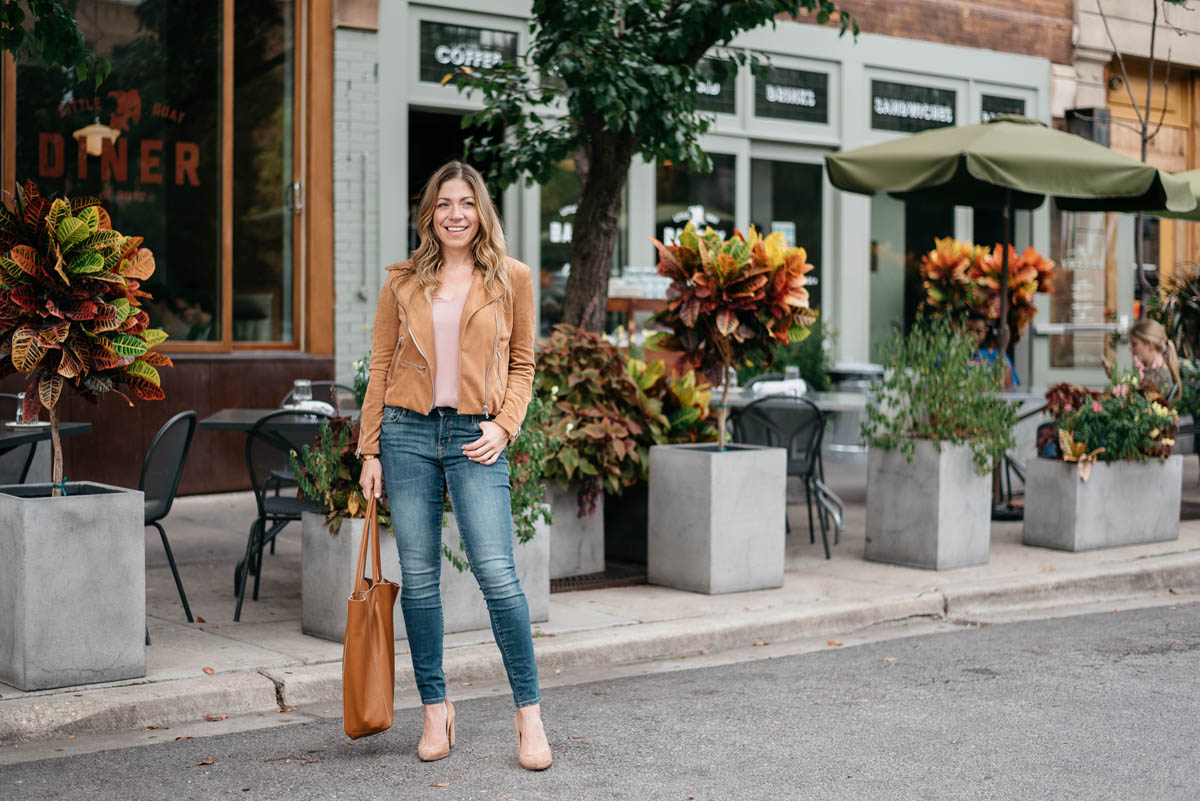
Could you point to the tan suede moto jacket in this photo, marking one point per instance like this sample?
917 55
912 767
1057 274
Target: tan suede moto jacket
495 361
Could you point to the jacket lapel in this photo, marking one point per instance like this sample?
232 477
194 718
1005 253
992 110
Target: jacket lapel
477 298
420 320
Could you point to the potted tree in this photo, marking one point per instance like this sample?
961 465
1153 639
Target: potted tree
328 473
1112 479
935 426
70 319
716 511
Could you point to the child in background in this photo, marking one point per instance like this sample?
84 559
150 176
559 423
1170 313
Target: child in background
978 327
1153 356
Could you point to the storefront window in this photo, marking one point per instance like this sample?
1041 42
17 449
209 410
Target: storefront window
147 142
559 202
705 199
786 196
1081 244
263 68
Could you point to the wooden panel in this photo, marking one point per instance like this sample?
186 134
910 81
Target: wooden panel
1176 95
361 14
227 175
8 122
318 193
114 450
1168 150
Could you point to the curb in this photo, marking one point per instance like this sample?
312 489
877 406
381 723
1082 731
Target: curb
135 706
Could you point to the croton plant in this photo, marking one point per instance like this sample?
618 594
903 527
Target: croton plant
959 277
70 306
732 300
605 410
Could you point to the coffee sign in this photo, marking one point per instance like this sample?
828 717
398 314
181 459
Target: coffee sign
994 104
792 95
909 108
445 48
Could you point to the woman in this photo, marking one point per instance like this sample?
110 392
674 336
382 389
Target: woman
451 376
1155 355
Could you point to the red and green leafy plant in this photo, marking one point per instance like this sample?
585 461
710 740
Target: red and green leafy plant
70 306
605 410
328 472
959 277
1130 421
732 301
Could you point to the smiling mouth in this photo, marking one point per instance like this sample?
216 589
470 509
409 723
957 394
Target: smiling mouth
455 229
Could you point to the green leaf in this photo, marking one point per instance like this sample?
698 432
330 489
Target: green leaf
569 458
154 336
144 371
86 263
127 346
91 218
71 231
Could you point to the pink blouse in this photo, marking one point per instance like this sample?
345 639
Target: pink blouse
447 316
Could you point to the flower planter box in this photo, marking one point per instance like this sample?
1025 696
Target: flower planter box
1122 503
576 543
72 585
933 512
716 519
327 573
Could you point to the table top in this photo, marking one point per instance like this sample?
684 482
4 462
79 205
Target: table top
244 419
15 437
825 401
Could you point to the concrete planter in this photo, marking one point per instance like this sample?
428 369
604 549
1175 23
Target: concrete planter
1122 503
716 519
576 543
72 585
933 512
327 574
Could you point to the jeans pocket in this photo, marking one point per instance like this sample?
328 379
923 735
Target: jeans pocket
393 414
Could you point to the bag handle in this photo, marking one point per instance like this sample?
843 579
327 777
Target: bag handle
370 535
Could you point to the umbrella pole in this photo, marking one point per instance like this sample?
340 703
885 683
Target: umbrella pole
1002 345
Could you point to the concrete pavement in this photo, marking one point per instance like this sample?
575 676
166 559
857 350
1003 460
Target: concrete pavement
265 663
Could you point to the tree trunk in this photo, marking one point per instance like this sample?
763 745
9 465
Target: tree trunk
595 231
56 471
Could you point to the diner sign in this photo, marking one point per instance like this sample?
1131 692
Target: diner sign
713 95
909 108
445 48
995 104
792 95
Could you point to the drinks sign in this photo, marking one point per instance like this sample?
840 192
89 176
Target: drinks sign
792 95
908 108
445 48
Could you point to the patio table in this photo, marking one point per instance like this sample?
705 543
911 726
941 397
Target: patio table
15 437
244 419
825 401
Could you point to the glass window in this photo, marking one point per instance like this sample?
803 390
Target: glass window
786 196
703 198
1080 244
559 201
147 142
264 70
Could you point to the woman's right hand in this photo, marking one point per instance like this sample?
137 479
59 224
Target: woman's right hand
371 479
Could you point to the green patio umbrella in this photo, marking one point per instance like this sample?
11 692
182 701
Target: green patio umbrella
1009 162
1193 180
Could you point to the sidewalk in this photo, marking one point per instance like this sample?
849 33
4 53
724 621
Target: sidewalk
264 662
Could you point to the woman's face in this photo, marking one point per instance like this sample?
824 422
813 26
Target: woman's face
1144 352
455 217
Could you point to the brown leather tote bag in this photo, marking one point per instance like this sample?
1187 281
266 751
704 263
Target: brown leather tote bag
369 650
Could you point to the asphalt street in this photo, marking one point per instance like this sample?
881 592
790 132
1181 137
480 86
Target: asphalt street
1100 706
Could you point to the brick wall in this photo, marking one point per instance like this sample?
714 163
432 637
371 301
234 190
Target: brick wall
356 199
1029 27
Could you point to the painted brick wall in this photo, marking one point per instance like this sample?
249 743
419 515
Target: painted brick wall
1029 27
356 195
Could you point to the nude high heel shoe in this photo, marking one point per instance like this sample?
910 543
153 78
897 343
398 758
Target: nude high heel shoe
537 760
430 755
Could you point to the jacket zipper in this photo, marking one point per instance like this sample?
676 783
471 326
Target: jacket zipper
495 344
424 369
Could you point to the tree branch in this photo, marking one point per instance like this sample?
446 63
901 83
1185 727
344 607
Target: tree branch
1121 62
1110 121
1166 86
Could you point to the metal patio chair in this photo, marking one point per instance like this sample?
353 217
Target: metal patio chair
161 471
797 425
273 437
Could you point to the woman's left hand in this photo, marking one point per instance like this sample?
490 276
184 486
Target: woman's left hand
487 449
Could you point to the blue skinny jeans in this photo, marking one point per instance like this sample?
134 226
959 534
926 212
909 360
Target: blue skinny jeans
422 456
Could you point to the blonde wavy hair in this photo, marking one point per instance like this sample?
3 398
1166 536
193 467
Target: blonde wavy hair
1153 334
489 247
